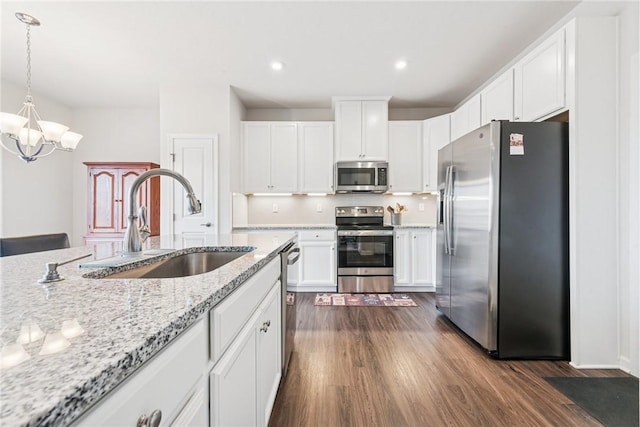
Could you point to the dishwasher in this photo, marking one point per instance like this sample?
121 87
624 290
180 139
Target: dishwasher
288 257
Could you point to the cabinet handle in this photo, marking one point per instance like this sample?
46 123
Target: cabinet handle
265 326
516 118
206 224
152 420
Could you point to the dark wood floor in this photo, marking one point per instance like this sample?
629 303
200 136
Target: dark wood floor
407 366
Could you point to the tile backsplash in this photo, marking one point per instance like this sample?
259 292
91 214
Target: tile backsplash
255 210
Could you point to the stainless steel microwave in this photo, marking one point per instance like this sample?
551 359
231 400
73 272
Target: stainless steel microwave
361 177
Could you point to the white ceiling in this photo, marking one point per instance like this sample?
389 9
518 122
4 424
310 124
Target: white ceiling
108 54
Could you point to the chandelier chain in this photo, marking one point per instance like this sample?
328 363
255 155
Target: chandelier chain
28 62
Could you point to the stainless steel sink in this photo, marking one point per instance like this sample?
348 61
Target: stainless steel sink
188 264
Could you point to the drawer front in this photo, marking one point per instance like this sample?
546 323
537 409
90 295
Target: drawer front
165 383
228 317
311 235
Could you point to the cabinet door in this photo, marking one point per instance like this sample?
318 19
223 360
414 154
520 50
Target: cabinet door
437 132
402 258
317 263
284 157
269 355
375 130
466 118
233 382
104 201
125 180
422 254
256 138
405 156
316 152
540 80
348 130
497 99
195 412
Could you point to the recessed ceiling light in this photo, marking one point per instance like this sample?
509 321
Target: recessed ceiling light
277 65
401 64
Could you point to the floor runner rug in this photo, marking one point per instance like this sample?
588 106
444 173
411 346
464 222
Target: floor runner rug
365 300
613 401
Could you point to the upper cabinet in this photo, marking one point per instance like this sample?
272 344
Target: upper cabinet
361 129
466 118
316 157
540 80
436 134
497 99
270 157
405 156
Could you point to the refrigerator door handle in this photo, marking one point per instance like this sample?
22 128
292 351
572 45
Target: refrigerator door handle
445 205
450 190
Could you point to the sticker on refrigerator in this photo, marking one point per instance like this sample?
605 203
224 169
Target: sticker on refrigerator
516 144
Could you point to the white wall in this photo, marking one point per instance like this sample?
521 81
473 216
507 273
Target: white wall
629 188
190 107
304 209
327 114
237 113
111 135
36 197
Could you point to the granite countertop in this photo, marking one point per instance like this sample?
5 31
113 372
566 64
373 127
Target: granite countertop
258 227
118 324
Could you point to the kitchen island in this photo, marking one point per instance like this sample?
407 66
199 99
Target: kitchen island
100 330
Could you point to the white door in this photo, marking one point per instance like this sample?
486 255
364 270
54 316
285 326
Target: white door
195 157
284 157
375 130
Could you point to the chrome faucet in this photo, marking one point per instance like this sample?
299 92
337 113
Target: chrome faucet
132 239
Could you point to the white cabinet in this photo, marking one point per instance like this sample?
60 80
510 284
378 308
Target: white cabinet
317 261
497 99
436 134
540 80
466 118
414 259
361 129
405 156
270 157
316 157
245 378
180 369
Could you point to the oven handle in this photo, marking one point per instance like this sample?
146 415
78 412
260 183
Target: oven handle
296 251
365 232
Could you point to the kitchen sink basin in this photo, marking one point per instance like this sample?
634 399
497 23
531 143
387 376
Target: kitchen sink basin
188 264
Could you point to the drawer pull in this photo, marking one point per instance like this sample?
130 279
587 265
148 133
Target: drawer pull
152 420
265 326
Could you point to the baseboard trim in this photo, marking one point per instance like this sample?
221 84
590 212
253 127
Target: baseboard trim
587 366
325 289
428 288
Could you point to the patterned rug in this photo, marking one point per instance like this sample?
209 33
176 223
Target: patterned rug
365 300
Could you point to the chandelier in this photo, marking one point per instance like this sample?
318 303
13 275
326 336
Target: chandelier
33 143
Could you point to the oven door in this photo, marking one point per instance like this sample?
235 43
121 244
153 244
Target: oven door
365 253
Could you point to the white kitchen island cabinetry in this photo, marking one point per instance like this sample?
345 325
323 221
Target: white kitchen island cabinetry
315 141
414 259
361 129
540 80
436 133
180 369
270 157
247 363
405 156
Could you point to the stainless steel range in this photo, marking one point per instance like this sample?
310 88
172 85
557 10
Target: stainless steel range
365 250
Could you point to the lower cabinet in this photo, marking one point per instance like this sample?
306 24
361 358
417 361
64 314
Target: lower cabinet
171 386
317 261
245 378
414 263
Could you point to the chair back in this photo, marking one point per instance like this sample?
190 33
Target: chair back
27 244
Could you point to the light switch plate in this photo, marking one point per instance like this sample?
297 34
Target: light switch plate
275 208
319 207
421 207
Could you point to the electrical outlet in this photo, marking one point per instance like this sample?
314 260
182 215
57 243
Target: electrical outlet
319 207
421 207
275 208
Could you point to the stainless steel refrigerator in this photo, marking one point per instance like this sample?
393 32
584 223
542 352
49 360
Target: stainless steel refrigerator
502 271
